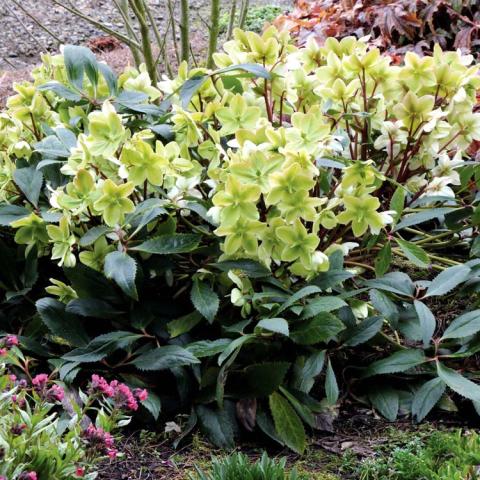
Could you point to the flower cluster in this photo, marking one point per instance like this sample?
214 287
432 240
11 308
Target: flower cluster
53 393
287 166
6 343
99 440
122 396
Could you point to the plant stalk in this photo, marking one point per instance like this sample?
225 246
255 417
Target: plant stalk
214 31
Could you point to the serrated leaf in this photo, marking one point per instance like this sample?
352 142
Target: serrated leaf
288 425
321 328
61 323
386 400
169 244
428 324
385 306
208 348
421 217
322 304
397 362
463 326
447 280
331 386
122 268
102 346
10 213
395 282
306 369
397 203
363 331
204 299
92 307
29 181
217 425
458 383
92 235
184 324
163 358
276 325
426 397
414 253
234 344
303 411
383 260
261 379
152 404
251 268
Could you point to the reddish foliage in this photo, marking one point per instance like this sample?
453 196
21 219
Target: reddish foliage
395 26
103 44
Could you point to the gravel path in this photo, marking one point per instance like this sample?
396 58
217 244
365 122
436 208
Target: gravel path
21 40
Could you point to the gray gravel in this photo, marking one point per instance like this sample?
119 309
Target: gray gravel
21 45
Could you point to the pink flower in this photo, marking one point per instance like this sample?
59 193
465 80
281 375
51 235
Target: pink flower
98 439
11 341
3 352
112 453
80 472
55 393
140 394
12 378
40 381
123 396
100 385
28 476
18 429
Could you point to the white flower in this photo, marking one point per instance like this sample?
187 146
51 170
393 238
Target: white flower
439 187
446 168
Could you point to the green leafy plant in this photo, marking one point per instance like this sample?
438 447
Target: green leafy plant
223 237
443 456
239 466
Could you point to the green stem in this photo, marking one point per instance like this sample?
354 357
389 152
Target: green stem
122 7
231 23
171 13
214 31
139 10
243 13
184 31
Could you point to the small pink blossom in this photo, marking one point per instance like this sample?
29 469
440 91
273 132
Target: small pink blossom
39 381
55 393
80 472
28 476
3 352
112 453
123 396
11 341
100 385
12 378
140 394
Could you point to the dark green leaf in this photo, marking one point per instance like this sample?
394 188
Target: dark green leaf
251 268
306 369
427 321
80 60
162 358
385 306
29 181
61 90
276 325
397 203
425 216
321 328
331 386
204 299
463 326
92 307
92 235
302 293
383 260
168 244
184 324
395 282
362 332
217 425
386 401
122 269
322 304
11 213
287 423
426 397
397 362
414 253
61 323
458 383
447 280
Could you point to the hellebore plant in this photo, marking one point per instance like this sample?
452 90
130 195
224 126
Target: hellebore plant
217 225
